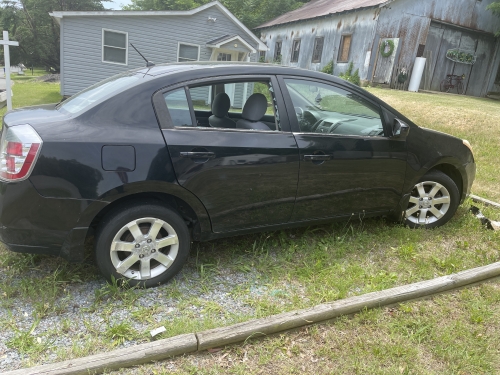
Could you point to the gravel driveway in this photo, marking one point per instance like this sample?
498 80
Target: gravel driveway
75 313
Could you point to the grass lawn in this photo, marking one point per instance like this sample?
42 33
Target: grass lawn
456 333
27 91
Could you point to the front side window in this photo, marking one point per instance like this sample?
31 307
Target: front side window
114 46
317 50
178 107
327 109
295 50
345 47
188 52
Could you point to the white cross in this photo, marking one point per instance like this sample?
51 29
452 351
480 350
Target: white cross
6 43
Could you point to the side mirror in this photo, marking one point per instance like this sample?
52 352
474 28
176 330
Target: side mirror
400 129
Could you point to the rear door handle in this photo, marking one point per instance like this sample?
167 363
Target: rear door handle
197 155
317 157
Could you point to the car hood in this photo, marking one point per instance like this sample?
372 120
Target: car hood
34 115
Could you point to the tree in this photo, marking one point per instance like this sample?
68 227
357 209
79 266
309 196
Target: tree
495 8
251 12
29 23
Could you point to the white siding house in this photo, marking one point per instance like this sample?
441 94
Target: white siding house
97 45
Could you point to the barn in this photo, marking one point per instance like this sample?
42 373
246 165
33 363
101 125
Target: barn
382 38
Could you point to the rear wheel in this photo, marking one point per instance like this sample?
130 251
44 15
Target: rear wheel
433 201
143 245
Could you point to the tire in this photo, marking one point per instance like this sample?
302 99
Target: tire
124 237
423 211
445 85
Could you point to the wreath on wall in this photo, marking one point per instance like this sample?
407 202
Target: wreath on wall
461 56
388 43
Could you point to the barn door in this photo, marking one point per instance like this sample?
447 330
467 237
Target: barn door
385 65
450 39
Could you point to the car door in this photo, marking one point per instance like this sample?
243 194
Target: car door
245 178
348 162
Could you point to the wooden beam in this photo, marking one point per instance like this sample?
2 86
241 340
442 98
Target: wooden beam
486 202
188 343
135 355
282 322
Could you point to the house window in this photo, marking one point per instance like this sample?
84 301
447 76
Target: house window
188 52
277 51
262 56
114 46
295 50
317 50
224 57
345 47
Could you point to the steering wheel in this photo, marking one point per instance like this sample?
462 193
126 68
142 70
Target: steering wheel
299 112
315 126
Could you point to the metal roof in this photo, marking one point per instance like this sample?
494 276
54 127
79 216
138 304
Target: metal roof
321 8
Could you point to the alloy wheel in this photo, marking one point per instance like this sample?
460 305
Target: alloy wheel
144 248
429 202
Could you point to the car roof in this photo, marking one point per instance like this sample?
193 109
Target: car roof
225 67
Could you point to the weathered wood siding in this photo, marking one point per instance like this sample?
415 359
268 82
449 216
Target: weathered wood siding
361 25
156 37
410 21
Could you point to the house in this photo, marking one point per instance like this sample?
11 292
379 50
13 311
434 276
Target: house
97 45
359 31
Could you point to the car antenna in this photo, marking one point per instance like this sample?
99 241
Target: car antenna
148 63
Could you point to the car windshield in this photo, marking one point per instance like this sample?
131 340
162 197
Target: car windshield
88 97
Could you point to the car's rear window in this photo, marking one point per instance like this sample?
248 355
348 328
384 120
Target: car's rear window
96 93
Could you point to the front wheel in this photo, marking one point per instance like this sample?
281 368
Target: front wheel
433 201
145 244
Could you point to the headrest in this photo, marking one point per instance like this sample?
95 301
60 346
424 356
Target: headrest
255 108
221 105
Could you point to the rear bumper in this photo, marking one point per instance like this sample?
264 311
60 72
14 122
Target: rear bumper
31 223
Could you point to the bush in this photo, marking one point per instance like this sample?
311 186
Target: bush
349 76
328 68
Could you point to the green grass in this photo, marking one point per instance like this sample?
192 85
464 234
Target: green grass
28 92
456 333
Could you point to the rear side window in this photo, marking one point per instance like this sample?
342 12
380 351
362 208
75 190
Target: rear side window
178 107
98 93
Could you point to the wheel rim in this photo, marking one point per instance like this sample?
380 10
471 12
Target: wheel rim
144 248
429 202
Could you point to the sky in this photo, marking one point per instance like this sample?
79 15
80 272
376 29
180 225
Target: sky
116 4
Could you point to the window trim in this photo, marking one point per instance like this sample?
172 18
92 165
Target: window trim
187 44
341 47
299 40
322 49
294 124
103 45
166 122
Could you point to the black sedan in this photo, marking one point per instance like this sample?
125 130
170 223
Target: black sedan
155 158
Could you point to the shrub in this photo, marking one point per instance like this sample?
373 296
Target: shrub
328 68
349 76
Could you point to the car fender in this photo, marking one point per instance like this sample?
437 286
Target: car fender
148 187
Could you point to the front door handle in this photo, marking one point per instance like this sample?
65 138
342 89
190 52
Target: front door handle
198 155
317 157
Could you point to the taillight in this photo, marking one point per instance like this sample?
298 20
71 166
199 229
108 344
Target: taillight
19 148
